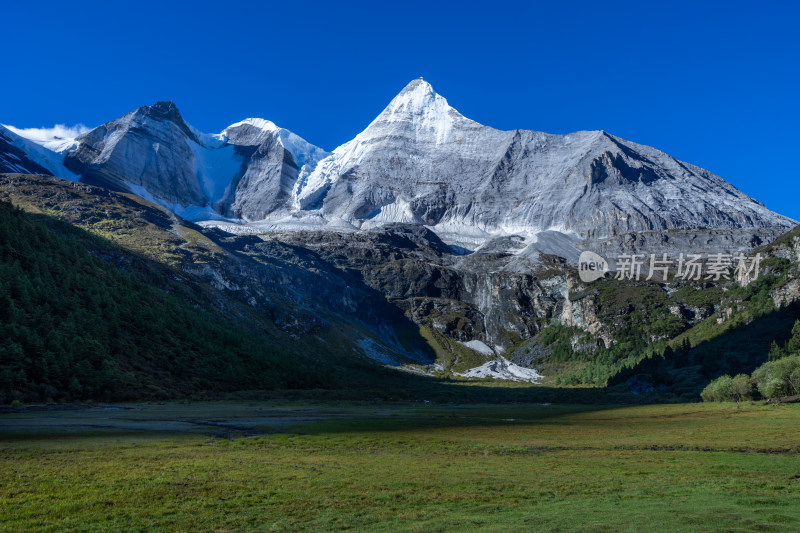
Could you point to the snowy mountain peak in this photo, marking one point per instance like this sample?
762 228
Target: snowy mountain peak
417 86
250 131
418 102
56 138
422 162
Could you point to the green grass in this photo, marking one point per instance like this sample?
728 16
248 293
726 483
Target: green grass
388 467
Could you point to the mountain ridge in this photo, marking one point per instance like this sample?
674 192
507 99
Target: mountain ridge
419 162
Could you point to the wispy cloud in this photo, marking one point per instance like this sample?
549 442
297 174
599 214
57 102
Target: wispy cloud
41 135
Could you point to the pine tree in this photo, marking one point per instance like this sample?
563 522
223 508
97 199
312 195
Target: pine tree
792 346
775 352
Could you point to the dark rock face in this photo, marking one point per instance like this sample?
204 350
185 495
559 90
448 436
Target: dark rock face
464 297
529 354
675 242
168 112
292 285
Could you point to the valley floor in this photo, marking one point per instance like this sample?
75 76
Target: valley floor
401 467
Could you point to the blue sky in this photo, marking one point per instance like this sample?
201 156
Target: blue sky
712 83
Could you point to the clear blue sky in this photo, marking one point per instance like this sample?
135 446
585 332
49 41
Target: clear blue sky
716 84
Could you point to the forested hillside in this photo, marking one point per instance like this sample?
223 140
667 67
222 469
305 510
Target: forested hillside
81 318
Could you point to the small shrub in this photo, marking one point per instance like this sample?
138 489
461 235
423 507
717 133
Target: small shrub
778 378
719 390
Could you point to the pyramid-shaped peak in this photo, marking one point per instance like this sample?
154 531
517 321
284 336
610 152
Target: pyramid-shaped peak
417 89
417 84
415 98
164 110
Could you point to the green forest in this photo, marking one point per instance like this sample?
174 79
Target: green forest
81 318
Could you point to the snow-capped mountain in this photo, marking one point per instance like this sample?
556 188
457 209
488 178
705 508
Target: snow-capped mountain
419 162
150 149
273 160
242 173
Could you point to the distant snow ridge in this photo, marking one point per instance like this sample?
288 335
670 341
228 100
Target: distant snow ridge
502 368
241 174
419 162
55 138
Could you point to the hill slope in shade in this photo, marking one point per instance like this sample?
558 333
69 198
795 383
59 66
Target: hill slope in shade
119 300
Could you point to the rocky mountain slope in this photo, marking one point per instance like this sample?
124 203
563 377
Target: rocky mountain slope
399 296
244 172
84 319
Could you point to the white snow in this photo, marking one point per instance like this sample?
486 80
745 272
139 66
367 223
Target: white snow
502 368
215 169
208 140
44 136
38 152
429 111
279 222
479 347
499 367
397 211
186 212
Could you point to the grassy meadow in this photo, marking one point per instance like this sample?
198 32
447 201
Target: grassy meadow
401 467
